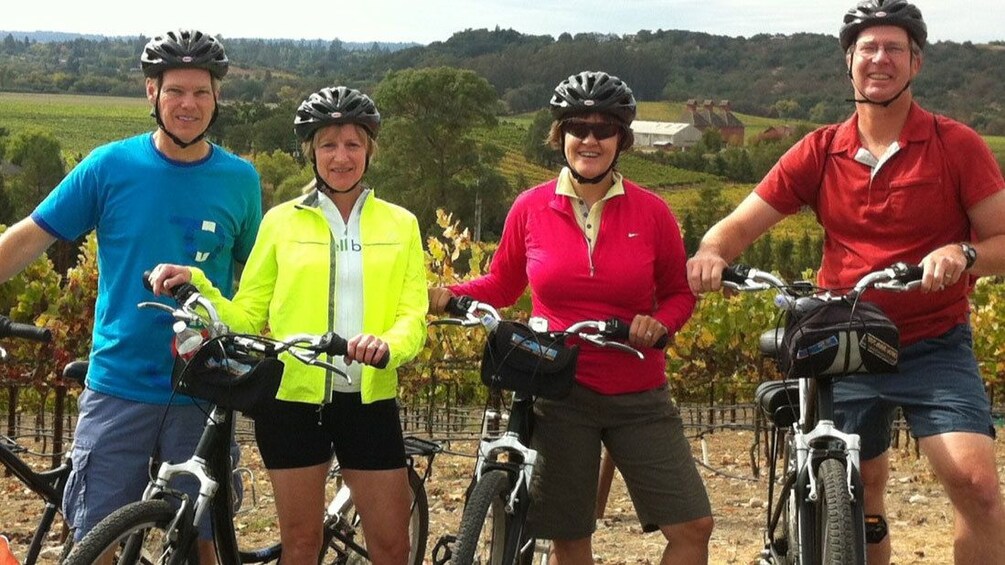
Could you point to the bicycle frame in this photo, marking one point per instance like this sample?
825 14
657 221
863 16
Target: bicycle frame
48 485
511 453
811 438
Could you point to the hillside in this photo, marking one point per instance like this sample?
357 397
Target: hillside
799 76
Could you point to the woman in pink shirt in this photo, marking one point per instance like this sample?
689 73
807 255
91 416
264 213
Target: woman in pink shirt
593 245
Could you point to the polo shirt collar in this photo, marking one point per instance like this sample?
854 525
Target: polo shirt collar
916 128
564 185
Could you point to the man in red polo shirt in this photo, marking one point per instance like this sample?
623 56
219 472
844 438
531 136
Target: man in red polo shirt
897 183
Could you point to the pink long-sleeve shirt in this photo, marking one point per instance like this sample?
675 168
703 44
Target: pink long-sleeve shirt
636 267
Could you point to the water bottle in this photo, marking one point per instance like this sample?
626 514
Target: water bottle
186 340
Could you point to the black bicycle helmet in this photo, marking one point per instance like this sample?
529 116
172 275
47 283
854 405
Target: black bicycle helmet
184 49
336 105
593 91
870 13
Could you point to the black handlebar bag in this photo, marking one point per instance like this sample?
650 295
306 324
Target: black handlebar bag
230 376
839 337
518 359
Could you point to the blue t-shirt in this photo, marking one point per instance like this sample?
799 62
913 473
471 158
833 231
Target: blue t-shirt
148 209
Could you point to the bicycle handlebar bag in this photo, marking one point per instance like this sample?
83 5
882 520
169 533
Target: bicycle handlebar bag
518 359
839 337
230 376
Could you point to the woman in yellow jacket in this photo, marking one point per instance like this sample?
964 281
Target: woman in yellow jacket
337 259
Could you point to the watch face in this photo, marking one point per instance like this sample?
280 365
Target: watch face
970 253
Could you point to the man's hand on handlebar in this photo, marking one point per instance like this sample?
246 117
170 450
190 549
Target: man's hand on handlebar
943 268
704 272
166 276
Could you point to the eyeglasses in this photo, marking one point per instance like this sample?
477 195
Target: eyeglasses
600 130
871 50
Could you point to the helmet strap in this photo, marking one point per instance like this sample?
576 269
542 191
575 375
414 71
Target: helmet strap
866 100
178 141
323 186
589 180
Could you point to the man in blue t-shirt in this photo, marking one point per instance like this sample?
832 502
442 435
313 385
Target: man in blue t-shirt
164 197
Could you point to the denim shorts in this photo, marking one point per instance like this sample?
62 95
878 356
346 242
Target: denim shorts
938 387
111 452
644 435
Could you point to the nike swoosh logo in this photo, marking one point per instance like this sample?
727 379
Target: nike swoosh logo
632 234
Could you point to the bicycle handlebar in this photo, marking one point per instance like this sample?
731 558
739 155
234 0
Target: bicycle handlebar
600 333
898 277
187 296
23 331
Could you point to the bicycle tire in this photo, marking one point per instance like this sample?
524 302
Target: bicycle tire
418 530
484 515
835 526
135 533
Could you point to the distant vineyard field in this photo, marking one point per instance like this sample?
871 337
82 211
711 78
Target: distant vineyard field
80 123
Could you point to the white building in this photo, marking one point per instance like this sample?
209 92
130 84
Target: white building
665 135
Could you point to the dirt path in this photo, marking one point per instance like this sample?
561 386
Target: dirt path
920 514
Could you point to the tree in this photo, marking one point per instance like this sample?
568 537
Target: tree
39 168
274 168
431 157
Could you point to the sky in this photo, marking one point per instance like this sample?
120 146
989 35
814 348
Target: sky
426 21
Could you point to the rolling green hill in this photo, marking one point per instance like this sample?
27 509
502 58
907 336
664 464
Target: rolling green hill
80 123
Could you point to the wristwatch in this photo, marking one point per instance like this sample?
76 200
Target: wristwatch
970 253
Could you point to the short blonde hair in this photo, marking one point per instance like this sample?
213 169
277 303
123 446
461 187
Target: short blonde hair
307 147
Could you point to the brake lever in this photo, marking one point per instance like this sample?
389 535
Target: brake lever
455 322
599 341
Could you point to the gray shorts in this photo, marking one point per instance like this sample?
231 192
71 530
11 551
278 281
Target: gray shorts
939 388
643 433
112 446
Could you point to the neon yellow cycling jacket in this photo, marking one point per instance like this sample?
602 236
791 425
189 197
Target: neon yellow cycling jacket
288 284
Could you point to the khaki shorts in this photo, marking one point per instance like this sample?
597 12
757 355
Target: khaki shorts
643 433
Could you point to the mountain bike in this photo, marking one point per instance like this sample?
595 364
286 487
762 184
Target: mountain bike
49 484
818 514
233 372
492 529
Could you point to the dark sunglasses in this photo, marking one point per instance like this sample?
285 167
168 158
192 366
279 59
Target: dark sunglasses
600 130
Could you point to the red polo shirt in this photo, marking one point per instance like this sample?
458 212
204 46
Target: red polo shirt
912 203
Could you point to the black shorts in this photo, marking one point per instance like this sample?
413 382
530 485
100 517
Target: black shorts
362 436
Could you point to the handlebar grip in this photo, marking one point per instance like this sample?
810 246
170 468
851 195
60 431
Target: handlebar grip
180 293
910 273
458 305
24 331
335 345
736 273
619 330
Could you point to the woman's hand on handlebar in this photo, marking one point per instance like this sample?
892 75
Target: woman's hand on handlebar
166 276
645 331
438 298
367 349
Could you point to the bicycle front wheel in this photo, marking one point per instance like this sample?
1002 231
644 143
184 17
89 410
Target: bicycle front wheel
482 537
135 533
835 526
345 541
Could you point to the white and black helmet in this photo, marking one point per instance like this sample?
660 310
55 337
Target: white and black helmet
184 49
336 105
